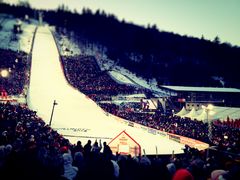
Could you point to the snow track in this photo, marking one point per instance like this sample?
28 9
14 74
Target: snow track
76 116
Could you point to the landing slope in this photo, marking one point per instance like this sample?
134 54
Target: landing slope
75 114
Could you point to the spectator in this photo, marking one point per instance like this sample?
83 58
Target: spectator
87 148
107 152
70 171
97 148
218 174
78 147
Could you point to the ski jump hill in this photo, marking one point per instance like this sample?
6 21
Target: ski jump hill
76 116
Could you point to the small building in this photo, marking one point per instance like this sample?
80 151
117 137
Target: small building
124 144
204 95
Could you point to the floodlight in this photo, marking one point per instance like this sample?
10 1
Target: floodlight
4 73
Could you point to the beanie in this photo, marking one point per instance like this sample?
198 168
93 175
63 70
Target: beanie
182 174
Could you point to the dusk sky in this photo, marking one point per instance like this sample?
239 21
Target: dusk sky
209 18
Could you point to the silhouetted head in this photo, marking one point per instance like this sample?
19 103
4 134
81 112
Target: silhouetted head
79 143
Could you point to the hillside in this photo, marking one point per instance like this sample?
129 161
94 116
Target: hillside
149 52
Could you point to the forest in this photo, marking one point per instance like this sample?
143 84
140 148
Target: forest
170 58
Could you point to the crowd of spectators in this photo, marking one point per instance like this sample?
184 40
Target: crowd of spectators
30 143
232 123
57 158
84 74
15 64
30 149
226 137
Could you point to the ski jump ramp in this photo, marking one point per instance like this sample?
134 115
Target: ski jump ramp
76 116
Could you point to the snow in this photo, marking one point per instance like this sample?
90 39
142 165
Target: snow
76 116
67 46
8 40
132 96
121 74
121 78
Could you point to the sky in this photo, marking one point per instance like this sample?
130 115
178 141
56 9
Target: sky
209 18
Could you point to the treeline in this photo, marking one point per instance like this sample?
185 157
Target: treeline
149 52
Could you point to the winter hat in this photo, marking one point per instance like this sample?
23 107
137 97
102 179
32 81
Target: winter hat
122 158
217 173
67 158
78 157
4 133
32 138
28 125
64 149
135 158
2 151
8 148
145 161
171 168
198 164
182 174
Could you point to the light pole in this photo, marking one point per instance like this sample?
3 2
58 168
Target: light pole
208 109
54 103
4 74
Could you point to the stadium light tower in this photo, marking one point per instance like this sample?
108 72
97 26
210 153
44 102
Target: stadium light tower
4 74
208 110
54 104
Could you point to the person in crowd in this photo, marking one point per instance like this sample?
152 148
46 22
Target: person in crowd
70 171
87 148
78 147
96 148
107 152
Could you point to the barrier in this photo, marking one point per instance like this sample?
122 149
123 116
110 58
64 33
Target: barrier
11 101
193 143
174 137
188 141
131 124
180 139
162 133
152 131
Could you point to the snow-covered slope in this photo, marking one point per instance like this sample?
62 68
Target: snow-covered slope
75 114
125 76
15 42
69 47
